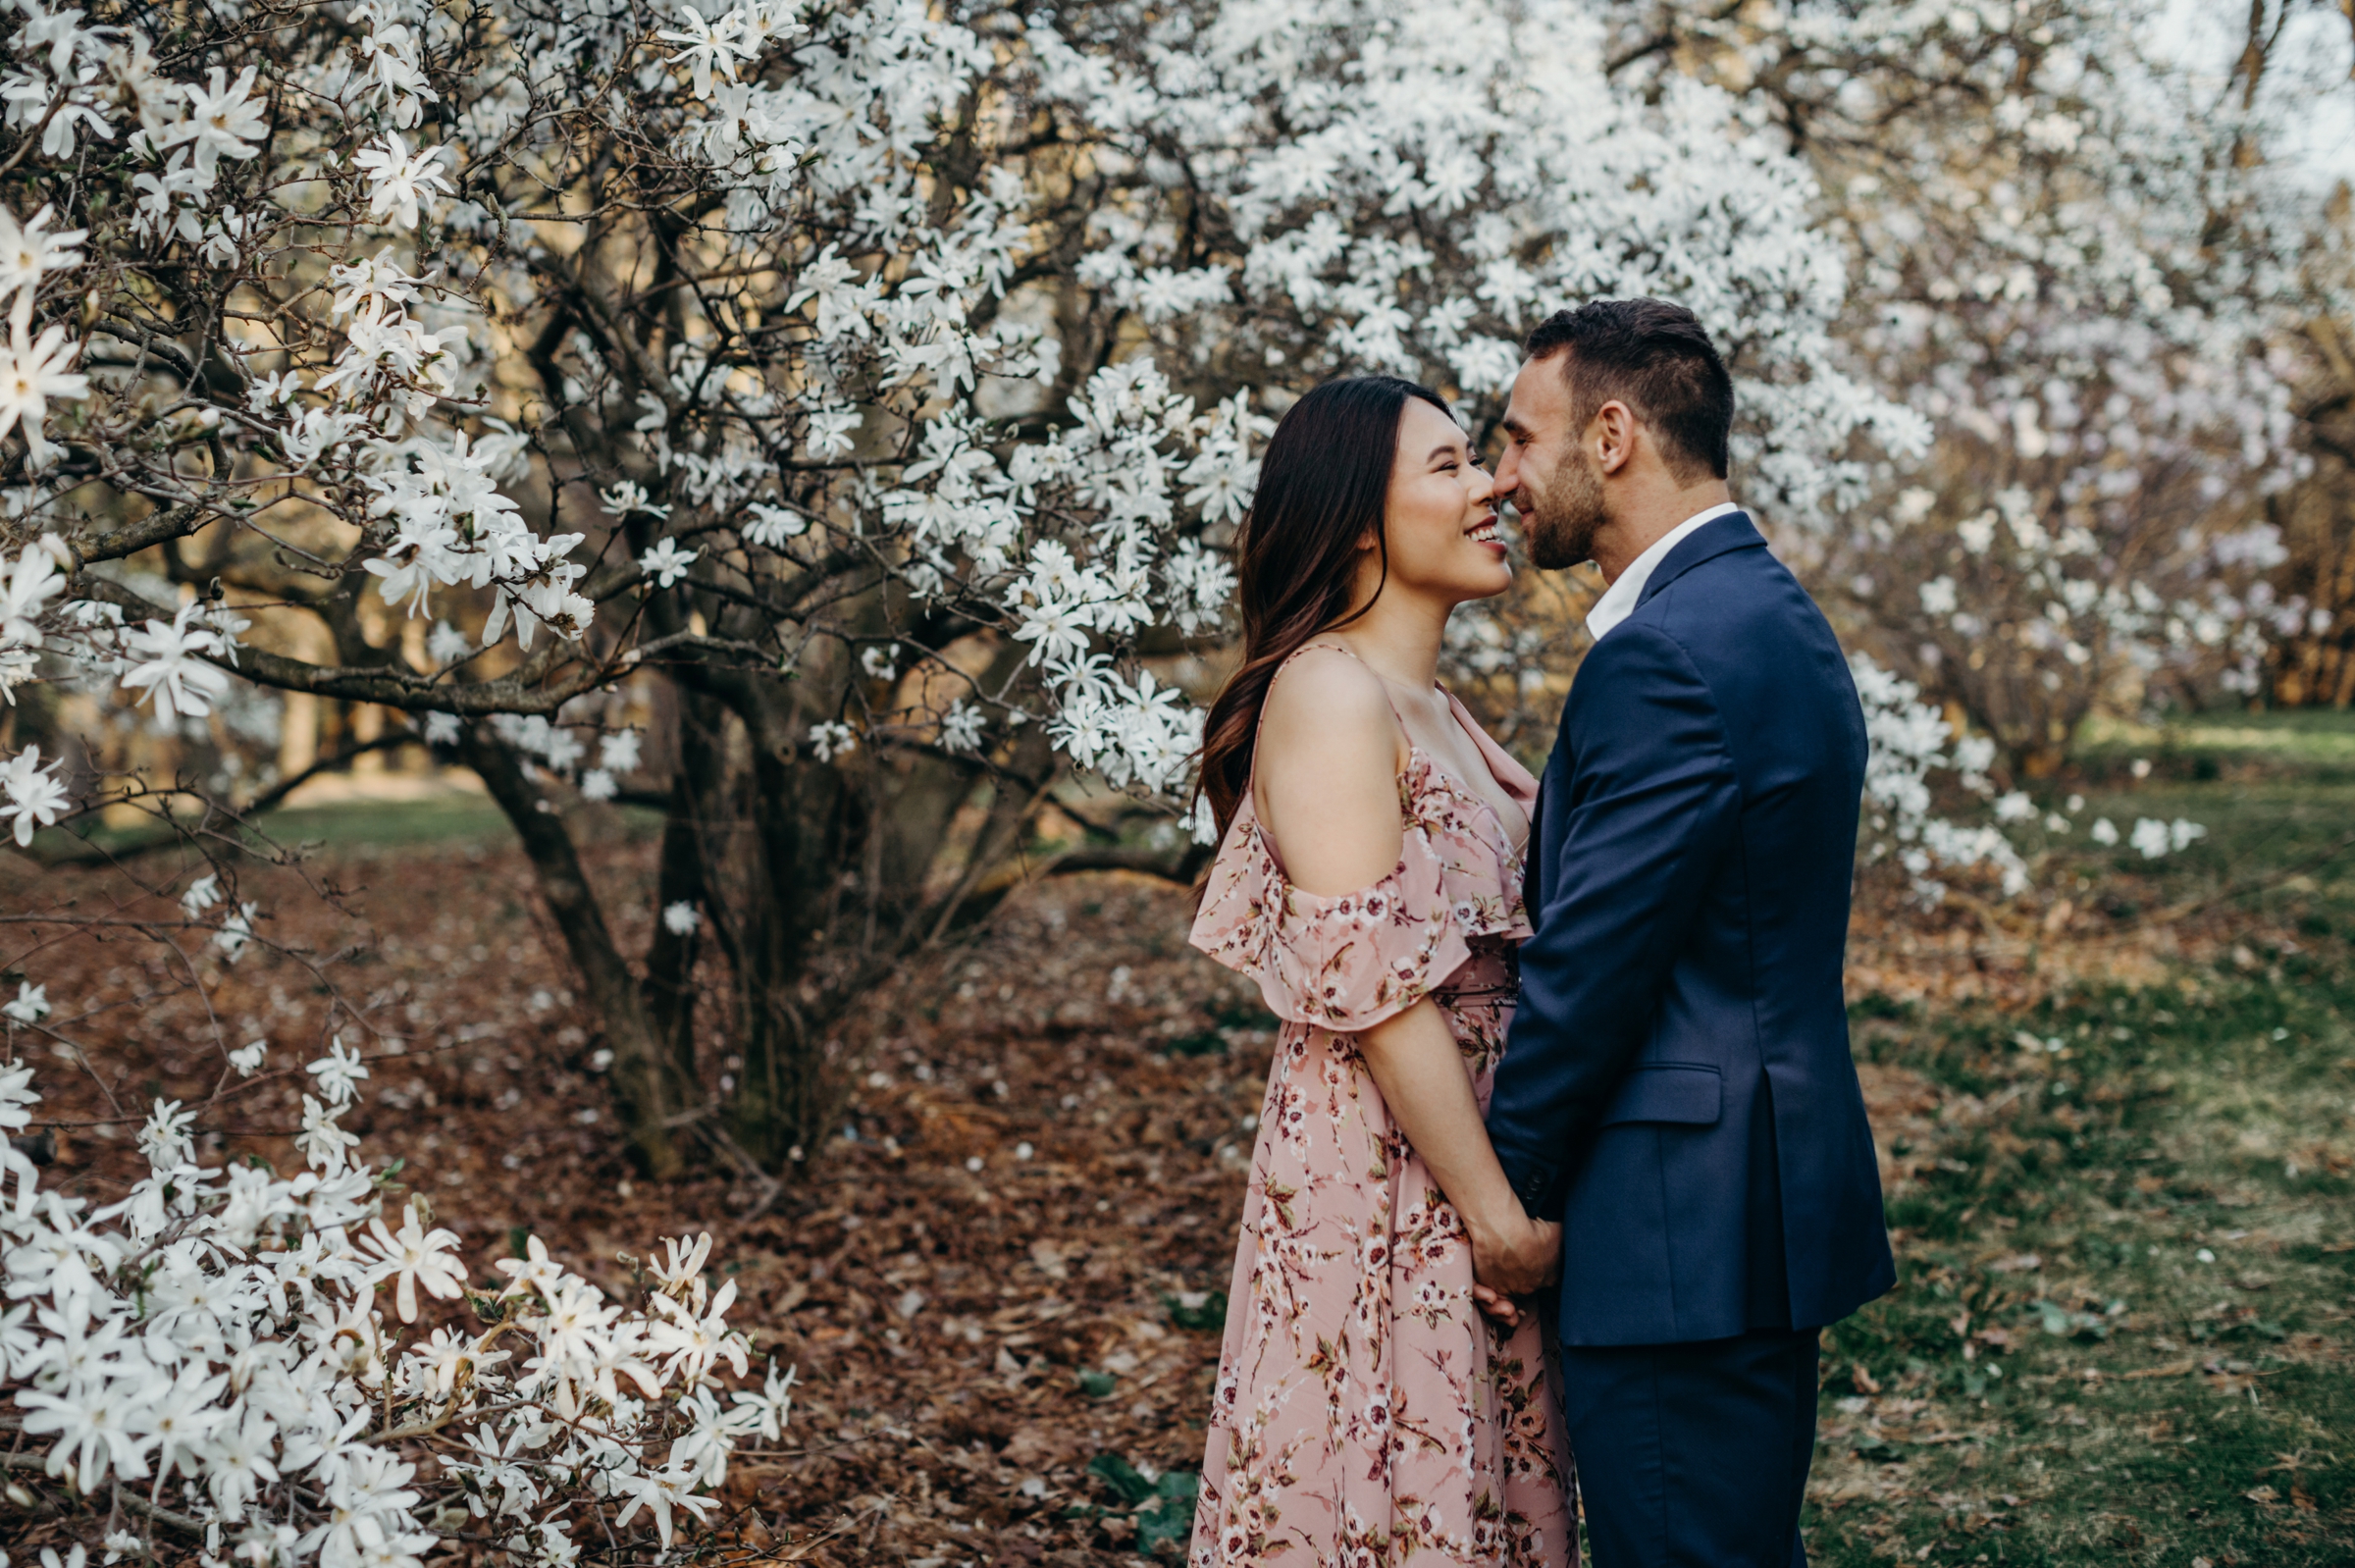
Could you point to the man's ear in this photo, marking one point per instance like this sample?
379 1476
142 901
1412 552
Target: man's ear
1613 432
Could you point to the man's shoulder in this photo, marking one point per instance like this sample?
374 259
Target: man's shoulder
1739 627
1730 603
1630 683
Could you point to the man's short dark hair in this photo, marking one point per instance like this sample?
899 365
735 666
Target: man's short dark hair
1655 358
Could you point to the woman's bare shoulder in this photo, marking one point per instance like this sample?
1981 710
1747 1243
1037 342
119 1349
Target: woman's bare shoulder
1328 773
1324 699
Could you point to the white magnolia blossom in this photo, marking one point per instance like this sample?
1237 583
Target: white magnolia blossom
31 588
1909 741
1482 168
30 1006
666 563
218 1337
168 663
2155 839
2074 256
36 795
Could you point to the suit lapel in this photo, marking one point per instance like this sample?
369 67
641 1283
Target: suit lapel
1712 539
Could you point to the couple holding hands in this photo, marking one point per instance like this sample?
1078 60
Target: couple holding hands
1563 1164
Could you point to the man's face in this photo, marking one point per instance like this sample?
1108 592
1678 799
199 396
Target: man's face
1546 471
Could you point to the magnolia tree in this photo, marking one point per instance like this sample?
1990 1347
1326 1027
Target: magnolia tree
2085 264
1917 766
871 389
2079 264
228 1364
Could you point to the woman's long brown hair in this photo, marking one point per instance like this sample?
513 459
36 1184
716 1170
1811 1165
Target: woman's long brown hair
1323 482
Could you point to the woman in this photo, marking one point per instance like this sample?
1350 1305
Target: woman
1373 1404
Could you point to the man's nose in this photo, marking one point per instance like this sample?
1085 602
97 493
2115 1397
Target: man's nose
1505 477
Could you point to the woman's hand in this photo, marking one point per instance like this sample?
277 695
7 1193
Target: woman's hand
1503 1309
1517 1255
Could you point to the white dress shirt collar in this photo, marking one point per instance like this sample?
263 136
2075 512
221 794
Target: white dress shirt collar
1618 601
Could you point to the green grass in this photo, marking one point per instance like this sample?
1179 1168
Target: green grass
2292 737
389 825
357 828
2060 1377
2126 1231
2278 842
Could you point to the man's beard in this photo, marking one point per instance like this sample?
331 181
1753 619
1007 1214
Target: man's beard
1565 515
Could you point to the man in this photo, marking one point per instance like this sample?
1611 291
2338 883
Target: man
1676 1087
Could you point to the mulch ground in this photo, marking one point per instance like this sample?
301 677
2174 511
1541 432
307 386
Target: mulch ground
999 1275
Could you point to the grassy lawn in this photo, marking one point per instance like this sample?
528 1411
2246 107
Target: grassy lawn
448 823
365 825
2297 736
2125 1218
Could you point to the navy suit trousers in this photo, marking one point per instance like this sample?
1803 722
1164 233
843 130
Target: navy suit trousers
1694 1455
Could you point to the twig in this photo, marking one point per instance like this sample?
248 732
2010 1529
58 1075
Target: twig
162 1516
174 833
734 1152
2174 1369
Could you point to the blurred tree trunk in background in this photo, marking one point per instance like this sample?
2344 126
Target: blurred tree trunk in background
2316 519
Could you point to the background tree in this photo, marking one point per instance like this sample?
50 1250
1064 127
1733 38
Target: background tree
2083 261
797 378
823 424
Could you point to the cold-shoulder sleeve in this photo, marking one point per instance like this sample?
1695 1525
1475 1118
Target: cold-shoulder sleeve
1348 961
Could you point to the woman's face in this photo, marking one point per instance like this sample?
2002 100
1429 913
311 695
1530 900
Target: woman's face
1442 514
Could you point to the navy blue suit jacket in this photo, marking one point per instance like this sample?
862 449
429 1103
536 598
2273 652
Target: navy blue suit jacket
1676 1083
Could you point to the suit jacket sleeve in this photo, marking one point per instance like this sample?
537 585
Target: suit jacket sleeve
1652 805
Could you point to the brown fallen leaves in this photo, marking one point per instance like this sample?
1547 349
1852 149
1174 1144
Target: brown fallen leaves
1001 1273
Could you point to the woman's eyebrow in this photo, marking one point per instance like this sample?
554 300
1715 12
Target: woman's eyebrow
1445 449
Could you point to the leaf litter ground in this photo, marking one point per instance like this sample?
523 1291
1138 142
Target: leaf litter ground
1002 1281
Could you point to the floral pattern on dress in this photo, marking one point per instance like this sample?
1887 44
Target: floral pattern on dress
1352 960
1366 1413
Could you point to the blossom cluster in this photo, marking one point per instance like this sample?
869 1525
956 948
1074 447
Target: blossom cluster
1909 741
870 385
1415 223
875 388
1410 191
230 1363
1912 744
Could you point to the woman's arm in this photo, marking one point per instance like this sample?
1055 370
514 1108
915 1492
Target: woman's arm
1415 1064
1330 751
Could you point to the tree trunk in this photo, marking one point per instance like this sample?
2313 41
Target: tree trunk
796 815
698 789
612 991
816 881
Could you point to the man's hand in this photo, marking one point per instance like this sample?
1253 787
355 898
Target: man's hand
1518 1257
1504 1309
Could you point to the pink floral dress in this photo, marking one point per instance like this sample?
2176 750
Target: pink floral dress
1366 1412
